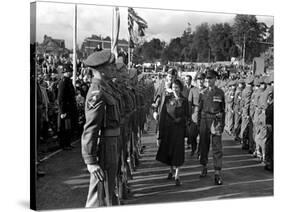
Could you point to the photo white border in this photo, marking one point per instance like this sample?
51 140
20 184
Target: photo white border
14 155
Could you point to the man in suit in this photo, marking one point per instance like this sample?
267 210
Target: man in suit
67 108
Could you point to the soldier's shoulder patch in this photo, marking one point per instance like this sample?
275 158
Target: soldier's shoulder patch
94 97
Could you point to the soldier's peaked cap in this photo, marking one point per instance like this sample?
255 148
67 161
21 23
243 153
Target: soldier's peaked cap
200 75
211 74
99 58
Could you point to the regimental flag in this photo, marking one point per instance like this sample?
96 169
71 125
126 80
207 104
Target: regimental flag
142 25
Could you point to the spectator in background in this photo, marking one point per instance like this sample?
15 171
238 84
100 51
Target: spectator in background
67 108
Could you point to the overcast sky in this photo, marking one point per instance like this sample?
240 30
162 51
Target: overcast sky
56 20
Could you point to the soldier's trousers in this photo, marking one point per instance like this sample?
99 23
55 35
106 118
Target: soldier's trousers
244 133
252 144
229 121
269 147
237 124
261 135
192 133
103 193
205 138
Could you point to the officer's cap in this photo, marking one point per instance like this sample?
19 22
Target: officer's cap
100 58
250 80
200 75
211 74
67 68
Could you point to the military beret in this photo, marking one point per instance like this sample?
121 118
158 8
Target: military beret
200 75
172 71
250 80
211 73
99 58
67 68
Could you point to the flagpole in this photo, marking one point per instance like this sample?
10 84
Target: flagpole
74 45
112 30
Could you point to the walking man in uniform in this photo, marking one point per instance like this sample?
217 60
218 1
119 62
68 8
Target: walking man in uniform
193 106
211 118
99 140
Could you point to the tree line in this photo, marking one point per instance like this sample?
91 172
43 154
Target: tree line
210 43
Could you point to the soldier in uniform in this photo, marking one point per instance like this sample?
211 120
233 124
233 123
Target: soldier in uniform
230 107
99 141
270 126
237 110
262 133
67 108
252 144
193 106
211 118
245 107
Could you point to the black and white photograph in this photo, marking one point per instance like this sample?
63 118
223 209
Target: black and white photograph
136 105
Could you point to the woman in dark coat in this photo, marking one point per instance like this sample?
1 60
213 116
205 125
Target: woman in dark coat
172 125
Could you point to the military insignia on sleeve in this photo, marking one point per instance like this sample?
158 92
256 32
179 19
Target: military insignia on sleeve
93 98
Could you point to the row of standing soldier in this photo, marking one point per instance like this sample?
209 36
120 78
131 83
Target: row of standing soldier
249 116
116 107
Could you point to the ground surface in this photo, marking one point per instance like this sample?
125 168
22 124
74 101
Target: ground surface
66 182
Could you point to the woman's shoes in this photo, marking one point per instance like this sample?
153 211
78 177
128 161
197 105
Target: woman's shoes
177 181
170 176
204 172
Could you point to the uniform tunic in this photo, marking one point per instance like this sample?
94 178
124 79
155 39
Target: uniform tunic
229 120
262 133
245 105
211 118
99 142
237 112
